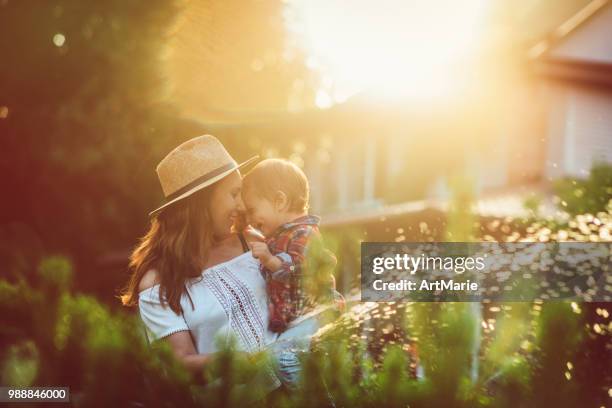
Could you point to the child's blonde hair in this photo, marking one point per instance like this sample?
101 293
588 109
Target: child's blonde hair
272 175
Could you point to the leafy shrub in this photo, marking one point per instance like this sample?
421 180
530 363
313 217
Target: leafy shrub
588 196
377 354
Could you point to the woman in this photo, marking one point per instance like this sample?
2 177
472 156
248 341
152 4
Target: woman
192 277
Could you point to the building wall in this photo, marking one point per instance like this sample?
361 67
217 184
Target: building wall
348 180
579 130
580 116
525 131
591 42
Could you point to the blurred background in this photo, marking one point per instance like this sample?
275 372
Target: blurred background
386 106
414 121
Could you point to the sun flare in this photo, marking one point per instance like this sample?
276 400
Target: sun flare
389 47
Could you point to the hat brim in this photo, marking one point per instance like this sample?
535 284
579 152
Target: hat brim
203 184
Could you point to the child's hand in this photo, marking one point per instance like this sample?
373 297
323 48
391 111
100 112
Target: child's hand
254 233
260 251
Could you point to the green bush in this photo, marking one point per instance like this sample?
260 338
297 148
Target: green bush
469 354
588 196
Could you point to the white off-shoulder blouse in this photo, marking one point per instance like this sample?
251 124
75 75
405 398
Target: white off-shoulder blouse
229 299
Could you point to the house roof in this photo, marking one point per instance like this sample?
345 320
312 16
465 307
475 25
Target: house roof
569 26
585 61
576 70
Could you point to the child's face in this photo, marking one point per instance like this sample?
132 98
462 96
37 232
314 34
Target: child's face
261 213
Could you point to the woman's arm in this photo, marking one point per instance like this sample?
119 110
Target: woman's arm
180 342
185 351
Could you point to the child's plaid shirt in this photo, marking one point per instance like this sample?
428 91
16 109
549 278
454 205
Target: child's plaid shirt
290 287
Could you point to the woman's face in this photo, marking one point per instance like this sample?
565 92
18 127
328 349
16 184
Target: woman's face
226 204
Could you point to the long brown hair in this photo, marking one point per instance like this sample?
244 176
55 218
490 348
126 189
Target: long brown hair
176 247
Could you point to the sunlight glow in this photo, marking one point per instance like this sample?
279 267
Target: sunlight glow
390 47
59 39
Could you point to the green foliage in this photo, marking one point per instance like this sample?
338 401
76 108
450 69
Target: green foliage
538 354
20 365
57 271
446 336
460 223
86 122
558 337
588 196
532 204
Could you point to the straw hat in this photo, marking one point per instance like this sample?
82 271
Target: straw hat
193 165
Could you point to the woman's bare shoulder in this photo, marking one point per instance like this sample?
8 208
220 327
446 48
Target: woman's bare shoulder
149 280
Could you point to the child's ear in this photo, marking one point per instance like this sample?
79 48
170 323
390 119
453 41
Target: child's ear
281 203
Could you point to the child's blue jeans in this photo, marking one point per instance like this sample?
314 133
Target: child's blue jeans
288 347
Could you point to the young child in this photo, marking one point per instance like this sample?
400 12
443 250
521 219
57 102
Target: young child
297 269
